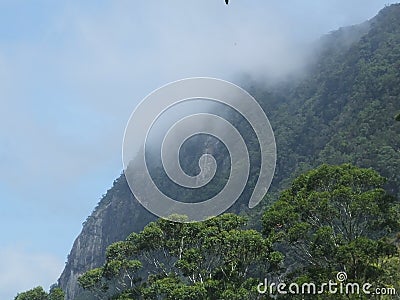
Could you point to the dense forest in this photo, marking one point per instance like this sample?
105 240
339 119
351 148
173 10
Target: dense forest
332 219
332 208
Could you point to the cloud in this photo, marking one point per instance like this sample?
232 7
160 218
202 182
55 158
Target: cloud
22 270
71 73
72 86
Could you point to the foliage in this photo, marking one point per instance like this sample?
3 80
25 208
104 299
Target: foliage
56 294
336 218
341 110
331 219
38 293
118 274
215 258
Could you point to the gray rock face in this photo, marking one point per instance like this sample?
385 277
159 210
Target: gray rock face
117 215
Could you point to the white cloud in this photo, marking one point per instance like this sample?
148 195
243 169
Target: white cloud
71 91
22 270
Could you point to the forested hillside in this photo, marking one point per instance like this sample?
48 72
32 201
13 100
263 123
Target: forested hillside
344 110
341 111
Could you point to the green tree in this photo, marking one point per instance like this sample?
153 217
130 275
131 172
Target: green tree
93 281
335 218
118 274
56 294
36 293
214 259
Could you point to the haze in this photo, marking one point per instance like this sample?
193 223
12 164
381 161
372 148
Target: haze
72 72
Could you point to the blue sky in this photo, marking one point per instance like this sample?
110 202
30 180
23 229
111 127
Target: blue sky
72 72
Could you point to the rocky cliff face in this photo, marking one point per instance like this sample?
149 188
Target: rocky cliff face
116 216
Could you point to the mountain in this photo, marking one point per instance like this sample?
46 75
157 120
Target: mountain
341 110
116 215
344 111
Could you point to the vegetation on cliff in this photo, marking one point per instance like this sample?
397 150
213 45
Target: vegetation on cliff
331 219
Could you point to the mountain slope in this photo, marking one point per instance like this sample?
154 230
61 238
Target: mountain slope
342 111
346 107
116 215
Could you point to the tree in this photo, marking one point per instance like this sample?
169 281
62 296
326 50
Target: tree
397 118
117 275
214 259
36 293
335 218
56 294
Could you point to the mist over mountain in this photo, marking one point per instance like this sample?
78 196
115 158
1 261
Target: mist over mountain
340 111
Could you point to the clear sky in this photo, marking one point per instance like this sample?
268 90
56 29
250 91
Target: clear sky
71 72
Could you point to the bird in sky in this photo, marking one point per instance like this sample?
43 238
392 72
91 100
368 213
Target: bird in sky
226 1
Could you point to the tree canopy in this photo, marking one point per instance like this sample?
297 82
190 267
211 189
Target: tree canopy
331 219
38 293
336 218
215 258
